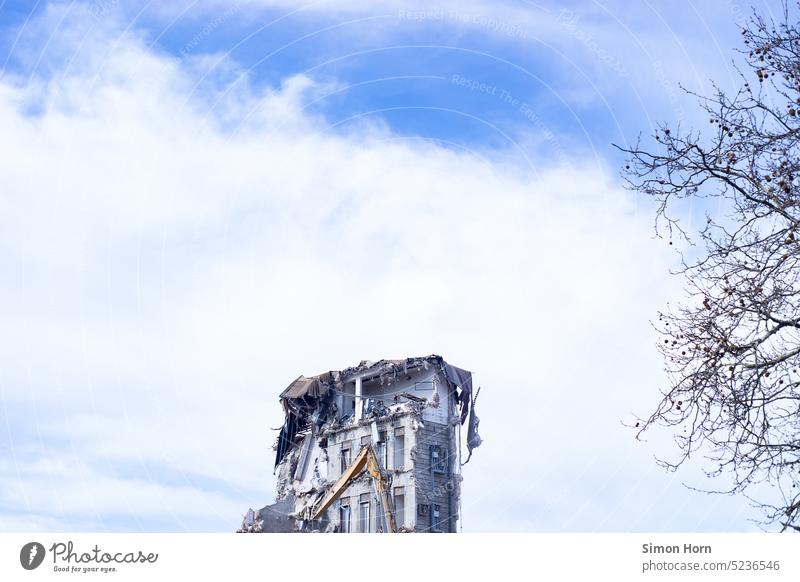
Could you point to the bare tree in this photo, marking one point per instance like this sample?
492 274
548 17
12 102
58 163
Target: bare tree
732 347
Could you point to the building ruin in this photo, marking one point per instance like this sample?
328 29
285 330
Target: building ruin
372 448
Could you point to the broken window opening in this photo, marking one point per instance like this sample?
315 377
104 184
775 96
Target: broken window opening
399 507
344 519
363 517
438 459
426 385
381 450
435 518
399 449
345 458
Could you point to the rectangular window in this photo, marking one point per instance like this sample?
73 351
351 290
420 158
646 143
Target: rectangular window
363 517
435 519
345 457
344 519
399 507
364 441
399 449
381 450
438 459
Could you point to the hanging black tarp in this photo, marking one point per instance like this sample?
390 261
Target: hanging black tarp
286 437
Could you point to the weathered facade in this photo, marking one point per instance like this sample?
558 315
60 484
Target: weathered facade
408 413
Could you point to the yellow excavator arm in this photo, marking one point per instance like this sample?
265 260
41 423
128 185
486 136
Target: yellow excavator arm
366 459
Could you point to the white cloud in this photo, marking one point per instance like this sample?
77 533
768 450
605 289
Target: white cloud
175 258
62 495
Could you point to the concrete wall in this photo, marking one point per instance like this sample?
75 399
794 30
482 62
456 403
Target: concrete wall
402 477
432 487
446 408
418 479
418 383
423 384
309 468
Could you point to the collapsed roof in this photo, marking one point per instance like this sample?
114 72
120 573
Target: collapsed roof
307 401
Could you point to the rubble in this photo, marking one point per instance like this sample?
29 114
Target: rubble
374 447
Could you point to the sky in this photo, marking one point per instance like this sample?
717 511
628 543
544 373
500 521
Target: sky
202 199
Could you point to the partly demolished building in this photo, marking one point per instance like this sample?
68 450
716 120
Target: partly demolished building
373 448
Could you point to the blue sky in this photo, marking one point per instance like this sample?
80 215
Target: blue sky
202 199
